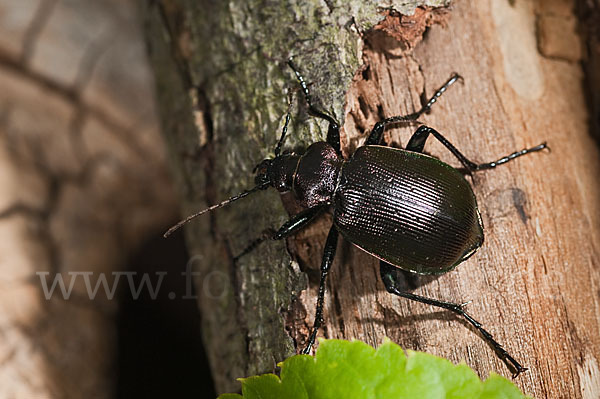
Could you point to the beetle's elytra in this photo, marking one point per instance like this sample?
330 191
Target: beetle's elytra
409 210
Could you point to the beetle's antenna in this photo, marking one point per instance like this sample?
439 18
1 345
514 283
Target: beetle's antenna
212 208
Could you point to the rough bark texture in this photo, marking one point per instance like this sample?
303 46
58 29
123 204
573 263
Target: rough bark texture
222 83
83 182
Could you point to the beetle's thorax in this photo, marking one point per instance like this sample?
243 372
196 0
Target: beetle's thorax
311 177
316 175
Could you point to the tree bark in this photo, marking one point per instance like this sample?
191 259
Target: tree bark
534 284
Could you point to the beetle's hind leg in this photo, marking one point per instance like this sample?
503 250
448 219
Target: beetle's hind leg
376 135
418 139
333 131
328 256
388 275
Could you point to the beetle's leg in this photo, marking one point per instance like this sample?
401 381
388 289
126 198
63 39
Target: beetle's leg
284 130
376 135
510 157
328 256
417 142
418 139
333 131
267 234
290 227
298 221
388 275
453 78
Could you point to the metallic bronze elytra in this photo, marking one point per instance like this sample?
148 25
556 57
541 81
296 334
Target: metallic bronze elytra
411 211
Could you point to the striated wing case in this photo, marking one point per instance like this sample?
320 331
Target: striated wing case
408 209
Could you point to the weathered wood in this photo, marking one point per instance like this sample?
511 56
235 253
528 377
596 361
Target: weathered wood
534 284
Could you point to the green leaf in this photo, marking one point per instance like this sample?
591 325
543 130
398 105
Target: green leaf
344 369
498 387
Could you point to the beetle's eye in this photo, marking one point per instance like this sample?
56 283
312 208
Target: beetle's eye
262 172
262 167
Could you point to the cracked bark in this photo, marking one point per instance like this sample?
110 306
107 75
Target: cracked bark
84 183
534 282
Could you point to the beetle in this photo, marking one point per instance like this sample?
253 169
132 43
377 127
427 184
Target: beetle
411 211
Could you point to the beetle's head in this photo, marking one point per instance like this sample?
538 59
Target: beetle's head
262 172
277 172
263 180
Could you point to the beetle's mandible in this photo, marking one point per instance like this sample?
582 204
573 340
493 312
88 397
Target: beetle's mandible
409 210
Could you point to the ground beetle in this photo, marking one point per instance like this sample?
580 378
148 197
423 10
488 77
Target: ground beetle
409 210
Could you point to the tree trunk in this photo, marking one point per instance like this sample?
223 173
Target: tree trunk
222 84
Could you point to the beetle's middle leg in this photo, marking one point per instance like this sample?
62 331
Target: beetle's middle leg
388 277
333 131
376 135
418 139
328 256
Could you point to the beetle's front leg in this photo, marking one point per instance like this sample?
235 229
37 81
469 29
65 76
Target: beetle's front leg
284 130
290 227
328 256
333 131
388 276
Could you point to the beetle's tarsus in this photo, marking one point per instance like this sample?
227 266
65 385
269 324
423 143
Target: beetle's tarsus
328 256
266 235
464 304
376 135
333 131
306 350
458 77
519 371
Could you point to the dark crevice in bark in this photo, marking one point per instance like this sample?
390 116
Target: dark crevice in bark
177 365
235 284
588 13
